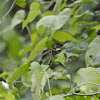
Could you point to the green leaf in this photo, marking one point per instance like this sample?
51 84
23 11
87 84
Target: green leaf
35 38
57 6
27 49
43 81
10 96
17 19
56 97
61 58
49 71
93 52
19 72
21 3
6 94
81 1
63 36
40 46
85 75
83 98
54 22
4 75
87 23
39 77
58 75
35 69
69 54
97 27
34 11
49 42
67 98
15 46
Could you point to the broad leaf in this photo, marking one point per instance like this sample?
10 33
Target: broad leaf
93 52
63 36
54 22
56 97
35 69
21 3
61 58
36 94
40 46
19 72
86 75
67 98
4 75
34 11
17 19
6 94
69 54
81 1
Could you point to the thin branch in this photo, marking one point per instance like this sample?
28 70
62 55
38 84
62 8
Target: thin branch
82 85
81 94
71 92
8 10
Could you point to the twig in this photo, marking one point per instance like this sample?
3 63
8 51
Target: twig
71 92
80 94
51 64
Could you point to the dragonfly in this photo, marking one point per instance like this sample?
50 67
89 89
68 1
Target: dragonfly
50 53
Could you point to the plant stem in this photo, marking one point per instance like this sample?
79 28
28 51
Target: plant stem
71 92
28 31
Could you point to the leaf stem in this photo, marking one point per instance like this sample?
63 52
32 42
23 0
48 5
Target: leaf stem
28 31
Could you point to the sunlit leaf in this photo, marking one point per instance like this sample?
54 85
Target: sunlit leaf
54 22
39 77
17 19
67 98
4 75
69 54
35 68
63 36
6 94
40 46
93 51
21 3
81 1
61 58
34 11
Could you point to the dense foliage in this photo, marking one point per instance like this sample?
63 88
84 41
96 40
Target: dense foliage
50 50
